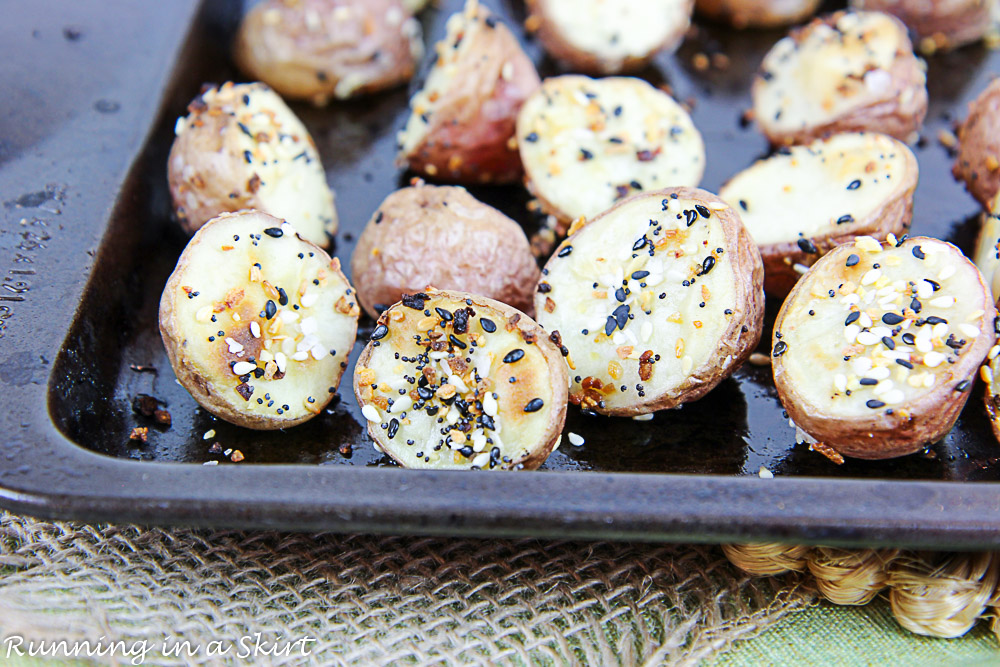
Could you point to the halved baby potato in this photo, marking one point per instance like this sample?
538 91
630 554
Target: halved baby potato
451 380
319 50
938 24
848 71
589 143
258 322
608 37
990 372
978 161
876 349
987 255
757 13
657 300
461 125
442 236
801 202
241 147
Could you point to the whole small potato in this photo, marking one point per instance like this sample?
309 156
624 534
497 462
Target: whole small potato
609 36
938 24
461 126
240 147
978 161
844 72
442 236
757 13
322 49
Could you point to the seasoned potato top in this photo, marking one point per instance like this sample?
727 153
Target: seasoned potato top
876 327
616 31
449 381
641 298
244 138
588 143
832 68
265 318
821 189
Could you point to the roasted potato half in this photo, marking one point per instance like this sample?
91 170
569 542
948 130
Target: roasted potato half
608 36
978 161
456 381
589 143
938 24
990 372
442 236
461 125
241 147
845 72
802 202
987 255
320 50
758 13
876 349
657 300
258 322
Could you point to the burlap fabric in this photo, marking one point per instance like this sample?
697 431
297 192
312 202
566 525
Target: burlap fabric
385 599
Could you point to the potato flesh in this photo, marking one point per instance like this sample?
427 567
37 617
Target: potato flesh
814 189
987 255
515 433
588 143
282 168
310 343
815 346
616 31
669 320
833 71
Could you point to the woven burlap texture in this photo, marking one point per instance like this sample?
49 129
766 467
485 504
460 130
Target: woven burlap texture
408 600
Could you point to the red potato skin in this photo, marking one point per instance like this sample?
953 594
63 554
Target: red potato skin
305 64
753 13
978 160
887 116
947 23
883 436
423 237
470 138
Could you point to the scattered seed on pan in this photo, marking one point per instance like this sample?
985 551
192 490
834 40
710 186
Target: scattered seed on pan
489 326
274 232
514 355
534 405
779 348
380 332
807 246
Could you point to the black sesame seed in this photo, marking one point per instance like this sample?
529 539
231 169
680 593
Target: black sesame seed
779 348
702 211
534 405
918 252
868 382
962 386
707 265
844 219
585 154
690 217
915 305
854 185
274 232
443 314
904 363
852 260
889 342
564 252
270 309
638 245
934 319
544 288
621 315
892 318
620 294
282 297
533 137
514 355
393 428
456 342
609 326
909 339
807 246
639 275
874 404
853 317
488 325
380 332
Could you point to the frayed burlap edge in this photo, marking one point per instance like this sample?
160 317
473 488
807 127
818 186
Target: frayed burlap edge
399 600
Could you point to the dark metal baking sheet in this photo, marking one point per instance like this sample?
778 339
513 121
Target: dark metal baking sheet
88 243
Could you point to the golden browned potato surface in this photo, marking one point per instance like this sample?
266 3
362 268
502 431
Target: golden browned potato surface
757 13
978 160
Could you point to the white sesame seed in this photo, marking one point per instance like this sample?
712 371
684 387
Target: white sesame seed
800 269
281 360
975 315
940 330
309 299
481 460
840 382
942 302
851 332
575 440
490 406
893 397
288 316
871 276
969 330
309 325
879 372
864 320
861 365
947 272
234 346
478 441
924 345
933 359
643 418
318 352
209 434
300 356
925 290
929 380
994 351
243 367
868 244
686 364
867 338
882 387
764 473
646 331
255 330
850 300
371 413
402 404
986 373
